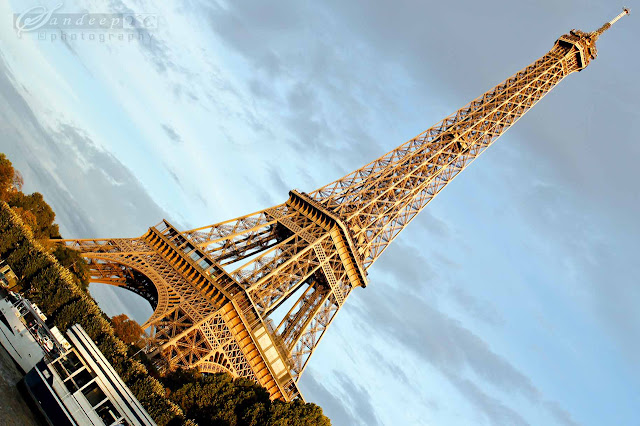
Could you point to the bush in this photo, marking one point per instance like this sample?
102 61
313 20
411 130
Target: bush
12 239
72 313
73 261
53 301
35 265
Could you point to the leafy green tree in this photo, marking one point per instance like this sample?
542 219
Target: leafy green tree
34 266
44 279
74 262
175 379
72 313
11 240
34 203
53 300
19 257
296 413
218 399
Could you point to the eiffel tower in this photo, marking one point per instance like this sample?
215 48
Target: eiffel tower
213 289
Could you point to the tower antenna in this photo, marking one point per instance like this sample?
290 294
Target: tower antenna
606 26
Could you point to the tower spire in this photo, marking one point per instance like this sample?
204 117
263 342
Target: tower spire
585 42
607 25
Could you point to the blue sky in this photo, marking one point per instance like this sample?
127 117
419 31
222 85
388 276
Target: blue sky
512 299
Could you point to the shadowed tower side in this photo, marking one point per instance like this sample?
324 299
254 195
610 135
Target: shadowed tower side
214 289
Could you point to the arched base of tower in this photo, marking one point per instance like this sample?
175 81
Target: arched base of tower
127 277
202 319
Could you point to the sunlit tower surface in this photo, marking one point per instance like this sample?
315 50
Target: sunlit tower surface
214 289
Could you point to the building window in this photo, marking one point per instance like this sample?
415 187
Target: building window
94 394
80 379
67 364
72 371
110 415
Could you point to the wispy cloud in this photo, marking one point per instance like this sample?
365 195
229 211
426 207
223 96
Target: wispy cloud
500 295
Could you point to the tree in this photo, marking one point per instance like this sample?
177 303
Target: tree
28 218
11 180
6 175
34 203
219 399
32 209
74 312
74 262
175 379
128 330
296 413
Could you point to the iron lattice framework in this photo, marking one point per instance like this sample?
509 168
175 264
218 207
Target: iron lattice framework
214 288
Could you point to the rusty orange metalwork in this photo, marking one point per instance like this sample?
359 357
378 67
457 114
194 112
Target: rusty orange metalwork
214 288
